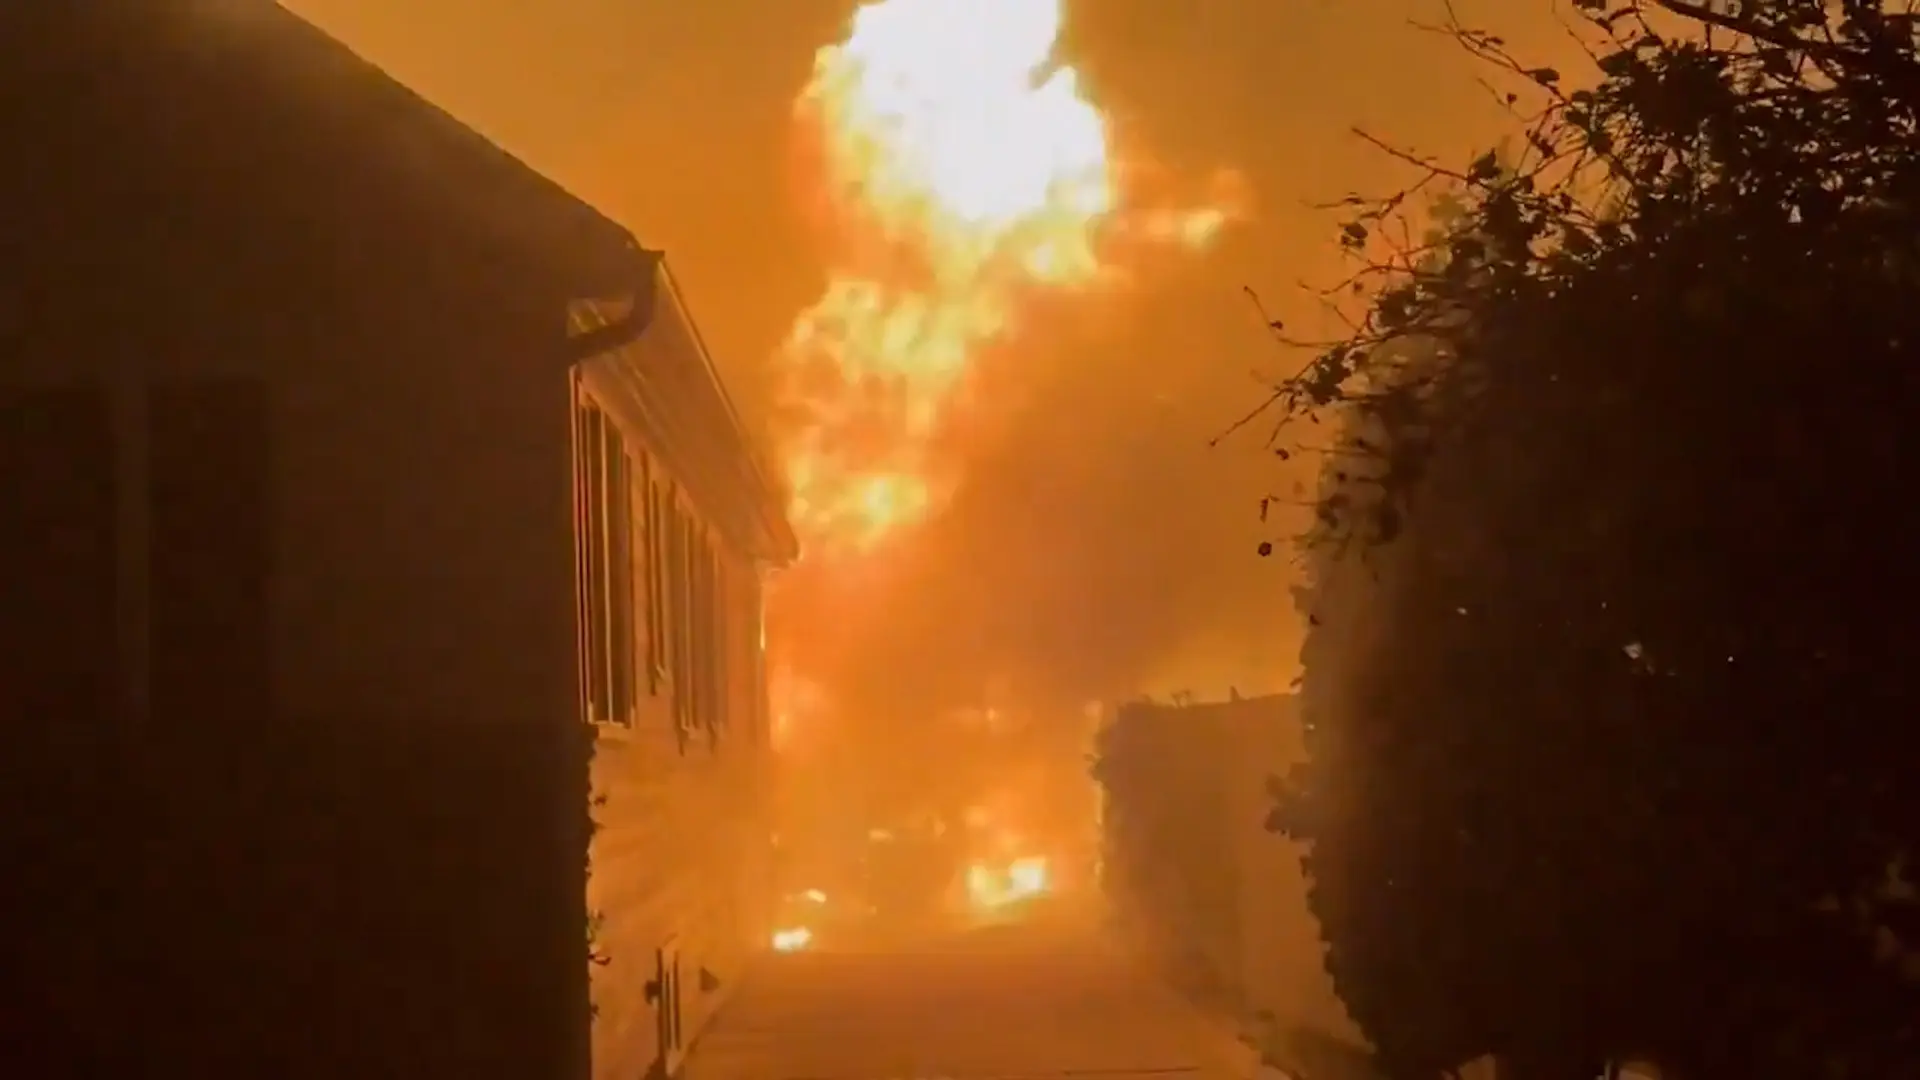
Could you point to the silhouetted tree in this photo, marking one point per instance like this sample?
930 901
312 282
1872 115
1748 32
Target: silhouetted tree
1609 691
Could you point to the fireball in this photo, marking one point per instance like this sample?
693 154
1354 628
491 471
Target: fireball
965 179
966 175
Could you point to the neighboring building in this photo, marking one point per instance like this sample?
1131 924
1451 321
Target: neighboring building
295 660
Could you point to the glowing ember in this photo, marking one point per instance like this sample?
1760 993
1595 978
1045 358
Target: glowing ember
966 174
792 939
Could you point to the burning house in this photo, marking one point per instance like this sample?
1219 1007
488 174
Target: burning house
310 651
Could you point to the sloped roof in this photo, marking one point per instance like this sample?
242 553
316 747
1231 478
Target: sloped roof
258 57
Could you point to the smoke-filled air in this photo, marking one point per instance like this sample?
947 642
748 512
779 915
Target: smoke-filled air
725 539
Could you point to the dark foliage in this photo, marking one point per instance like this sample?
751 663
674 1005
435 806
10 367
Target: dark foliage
1608 689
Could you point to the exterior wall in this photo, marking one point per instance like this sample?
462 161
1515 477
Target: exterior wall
290 666
679 863
1193 871
297 778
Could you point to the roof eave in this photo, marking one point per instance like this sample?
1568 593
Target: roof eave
781 543
635 287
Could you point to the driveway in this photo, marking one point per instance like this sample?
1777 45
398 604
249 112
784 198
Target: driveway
994 1003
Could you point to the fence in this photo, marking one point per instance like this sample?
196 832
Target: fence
1189 868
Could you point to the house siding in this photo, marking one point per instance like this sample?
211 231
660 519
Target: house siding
681 843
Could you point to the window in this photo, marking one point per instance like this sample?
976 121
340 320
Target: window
678 569
688 628
622 647
702 629
604 523
693 622
718 639
653 554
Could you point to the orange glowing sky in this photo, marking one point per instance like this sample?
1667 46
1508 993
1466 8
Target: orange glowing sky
679 120
677 117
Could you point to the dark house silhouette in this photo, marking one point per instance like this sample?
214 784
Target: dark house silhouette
293 780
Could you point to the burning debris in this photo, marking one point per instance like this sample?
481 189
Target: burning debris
792 939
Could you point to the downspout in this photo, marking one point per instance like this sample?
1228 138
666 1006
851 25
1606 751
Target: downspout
626 329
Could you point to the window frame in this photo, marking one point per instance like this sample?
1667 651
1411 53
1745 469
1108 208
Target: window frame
603 564
681 612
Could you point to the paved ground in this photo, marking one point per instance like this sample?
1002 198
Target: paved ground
998 1003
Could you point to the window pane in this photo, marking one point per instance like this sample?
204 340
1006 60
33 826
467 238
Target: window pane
619 579
596 643
582 549
641 496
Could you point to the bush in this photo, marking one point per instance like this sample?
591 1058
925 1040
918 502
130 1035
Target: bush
1607 684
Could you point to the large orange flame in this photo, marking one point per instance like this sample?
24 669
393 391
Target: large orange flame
966 174
965 177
